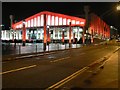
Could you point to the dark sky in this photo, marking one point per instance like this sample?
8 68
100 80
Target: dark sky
22 10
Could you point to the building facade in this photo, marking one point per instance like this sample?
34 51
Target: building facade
58 26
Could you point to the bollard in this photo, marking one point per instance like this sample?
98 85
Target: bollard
58 46
48 47
19 49
65 45
76 44
36 48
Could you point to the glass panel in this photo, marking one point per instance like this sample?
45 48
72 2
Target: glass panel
31 22
56 20
35 22
52 20
38 21
25 24
68 21
77 22
48 21
64 21
42 20
73 21
60 21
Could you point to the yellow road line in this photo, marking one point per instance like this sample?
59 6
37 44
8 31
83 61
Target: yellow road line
18 69
60 83
60 59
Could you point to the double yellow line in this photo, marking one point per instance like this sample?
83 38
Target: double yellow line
62 82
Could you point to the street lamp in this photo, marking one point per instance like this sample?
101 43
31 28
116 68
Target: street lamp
118 6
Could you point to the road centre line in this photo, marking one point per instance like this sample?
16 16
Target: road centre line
60 83
60 59
23 68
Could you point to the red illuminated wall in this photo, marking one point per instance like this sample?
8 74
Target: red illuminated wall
78 21
98 26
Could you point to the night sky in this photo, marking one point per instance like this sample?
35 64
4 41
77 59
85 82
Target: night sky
22 10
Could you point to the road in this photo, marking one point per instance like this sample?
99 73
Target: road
47 70
96 77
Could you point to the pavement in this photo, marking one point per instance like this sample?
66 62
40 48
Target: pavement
9 57
111 70
30 52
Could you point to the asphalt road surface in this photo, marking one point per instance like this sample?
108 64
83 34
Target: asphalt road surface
45 71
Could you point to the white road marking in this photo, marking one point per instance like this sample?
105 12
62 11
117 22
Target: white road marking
81 53
60 59
14 70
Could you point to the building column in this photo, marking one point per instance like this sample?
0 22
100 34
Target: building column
45 36
86 10
63 36
24 34
83 37
91 36
12 35
48 35
73 37
70 30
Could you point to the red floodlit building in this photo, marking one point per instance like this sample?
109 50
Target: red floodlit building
55 26
99 28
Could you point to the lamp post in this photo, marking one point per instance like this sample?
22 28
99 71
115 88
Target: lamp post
11 21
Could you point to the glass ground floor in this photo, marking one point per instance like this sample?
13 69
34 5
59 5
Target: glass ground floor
37 34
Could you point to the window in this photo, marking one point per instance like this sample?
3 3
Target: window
38 21
52 20
60 21
31 22
64 21
68 21
73 21
48 20
56 20
42 20
35 22
28 23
